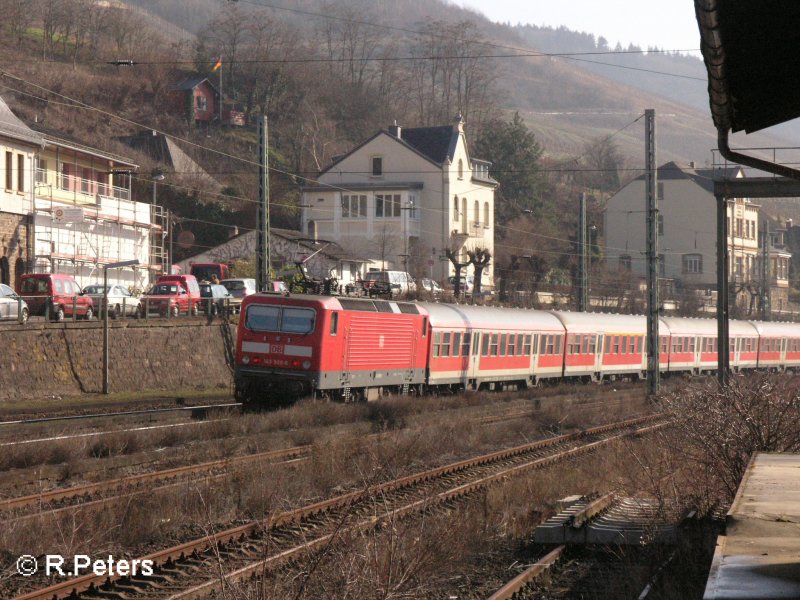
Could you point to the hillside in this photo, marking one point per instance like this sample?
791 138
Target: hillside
567 102
328 73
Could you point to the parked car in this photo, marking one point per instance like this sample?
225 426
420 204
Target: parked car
239 289
188 283
398 282
214 299
56 295
168 298
12 306
121 301
431 286
467 283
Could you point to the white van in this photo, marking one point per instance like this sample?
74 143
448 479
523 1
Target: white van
399 282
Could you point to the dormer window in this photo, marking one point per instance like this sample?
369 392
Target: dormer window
377 166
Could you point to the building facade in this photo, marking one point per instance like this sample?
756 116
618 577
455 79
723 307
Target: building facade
85 218
687 231
403 198
18 147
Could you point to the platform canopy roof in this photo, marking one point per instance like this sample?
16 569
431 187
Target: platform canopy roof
751 54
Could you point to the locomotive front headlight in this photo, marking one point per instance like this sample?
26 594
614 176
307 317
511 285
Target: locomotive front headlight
306 364
246 360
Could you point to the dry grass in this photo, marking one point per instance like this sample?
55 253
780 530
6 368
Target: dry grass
340 462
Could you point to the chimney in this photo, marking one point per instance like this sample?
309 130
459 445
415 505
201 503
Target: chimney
396 130
691 164
788 224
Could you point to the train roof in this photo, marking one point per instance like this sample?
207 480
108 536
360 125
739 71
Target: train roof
338 303
776 329
602 322
460 315
689 326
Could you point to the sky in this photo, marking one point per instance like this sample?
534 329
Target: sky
668 24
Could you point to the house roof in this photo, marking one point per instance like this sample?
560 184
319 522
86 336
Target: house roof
191 82
672 171
53 137
165 150
13 127
750 52
437 143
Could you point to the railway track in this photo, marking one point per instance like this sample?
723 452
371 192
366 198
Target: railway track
259 546
103 493
59 499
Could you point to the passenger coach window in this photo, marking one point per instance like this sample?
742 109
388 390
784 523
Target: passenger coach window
456 343
446 344
485 345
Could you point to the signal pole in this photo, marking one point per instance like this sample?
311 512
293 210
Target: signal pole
766 300
583 284
263 261
651 190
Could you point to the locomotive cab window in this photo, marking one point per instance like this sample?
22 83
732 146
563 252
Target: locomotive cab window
261 317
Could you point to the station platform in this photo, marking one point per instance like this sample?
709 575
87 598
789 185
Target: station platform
759 555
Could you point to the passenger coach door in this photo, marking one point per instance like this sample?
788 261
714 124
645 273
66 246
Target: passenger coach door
598 353
474 355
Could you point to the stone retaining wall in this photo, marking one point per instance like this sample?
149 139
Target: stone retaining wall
62 359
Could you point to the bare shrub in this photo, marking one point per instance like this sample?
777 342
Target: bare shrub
719 429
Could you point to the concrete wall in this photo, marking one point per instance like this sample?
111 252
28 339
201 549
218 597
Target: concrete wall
42 360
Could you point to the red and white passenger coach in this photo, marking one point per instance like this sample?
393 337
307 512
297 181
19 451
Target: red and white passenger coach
348 348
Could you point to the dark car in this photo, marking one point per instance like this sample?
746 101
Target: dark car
56 295
214 298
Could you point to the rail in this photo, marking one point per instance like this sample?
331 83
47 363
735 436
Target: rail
507 463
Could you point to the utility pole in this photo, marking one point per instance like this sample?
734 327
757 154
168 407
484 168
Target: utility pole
651 190
263 261
583 283
766 299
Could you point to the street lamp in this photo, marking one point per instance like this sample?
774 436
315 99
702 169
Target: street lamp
116 265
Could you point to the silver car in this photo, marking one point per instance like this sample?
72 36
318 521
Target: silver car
239 288
11 305
121 301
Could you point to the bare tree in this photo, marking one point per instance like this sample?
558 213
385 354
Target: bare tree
719 429
457 265
480 259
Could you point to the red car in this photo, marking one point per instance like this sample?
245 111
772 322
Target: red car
168 298
55 295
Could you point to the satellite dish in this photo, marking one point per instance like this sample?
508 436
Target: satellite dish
185 239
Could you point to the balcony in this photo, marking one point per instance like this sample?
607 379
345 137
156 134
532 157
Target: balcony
59 186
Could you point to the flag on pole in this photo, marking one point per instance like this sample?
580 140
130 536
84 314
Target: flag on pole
217 65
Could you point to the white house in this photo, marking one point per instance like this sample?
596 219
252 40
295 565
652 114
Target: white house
687 226
403 197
